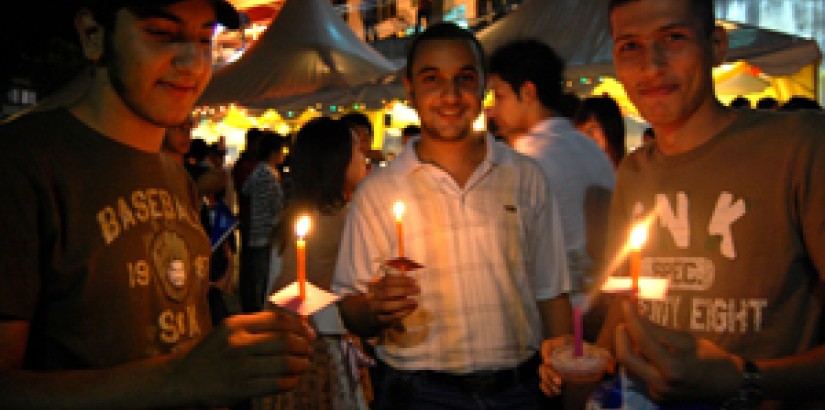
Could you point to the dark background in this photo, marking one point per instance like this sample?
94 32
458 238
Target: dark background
39 46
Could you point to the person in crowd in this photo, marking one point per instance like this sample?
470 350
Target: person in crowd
327 165
767 103
464 330
648 135
408 133
740 245
241 170
423 15
799 102
266 197
740 102
568 105
104 264
600 118
361 125
579 173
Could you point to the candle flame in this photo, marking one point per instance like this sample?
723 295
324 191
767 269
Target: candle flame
302 226
398 209
638 237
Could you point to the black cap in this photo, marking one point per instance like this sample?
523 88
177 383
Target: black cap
225 12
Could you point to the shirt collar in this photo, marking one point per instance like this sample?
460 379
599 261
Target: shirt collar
408 161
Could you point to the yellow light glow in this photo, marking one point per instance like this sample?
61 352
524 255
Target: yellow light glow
638 237
649 288
398 209
302 226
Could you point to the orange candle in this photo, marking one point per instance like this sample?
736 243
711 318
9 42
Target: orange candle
301 229
637 239
398 209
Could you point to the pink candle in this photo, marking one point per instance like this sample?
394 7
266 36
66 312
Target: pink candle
301 228
398 209
578 342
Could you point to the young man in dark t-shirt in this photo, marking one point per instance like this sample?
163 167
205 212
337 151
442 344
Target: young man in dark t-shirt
734 202
103 273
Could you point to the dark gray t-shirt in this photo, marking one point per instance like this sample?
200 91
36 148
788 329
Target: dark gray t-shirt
102 249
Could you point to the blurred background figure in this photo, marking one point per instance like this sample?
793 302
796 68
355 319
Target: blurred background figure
740 102
266 204
648 135
423 15
327 164
241 170
800 103
408 132
600 118
767 103
361 125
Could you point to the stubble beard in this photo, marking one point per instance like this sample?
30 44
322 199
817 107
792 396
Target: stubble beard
114 69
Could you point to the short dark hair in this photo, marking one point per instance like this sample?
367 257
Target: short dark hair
767 103
530 60
271 142
701 8
357 119
443 31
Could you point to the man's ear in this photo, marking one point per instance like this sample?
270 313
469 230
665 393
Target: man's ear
527 92
408 86
91 35
719 45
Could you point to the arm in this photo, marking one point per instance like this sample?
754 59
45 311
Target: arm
677 365
556 316
248 355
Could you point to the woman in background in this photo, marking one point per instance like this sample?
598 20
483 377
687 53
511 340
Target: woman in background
326 164
601 119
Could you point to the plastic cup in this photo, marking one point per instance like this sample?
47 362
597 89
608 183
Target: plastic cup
589 367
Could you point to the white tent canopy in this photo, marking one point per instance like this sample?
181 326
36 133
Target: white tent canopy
307 48
578 31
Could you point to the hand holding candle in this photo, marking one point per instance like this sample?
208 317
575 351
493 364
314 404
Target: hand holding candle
301 229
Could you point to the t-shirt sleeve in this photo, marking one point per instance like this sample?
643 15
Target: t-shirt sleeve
24 235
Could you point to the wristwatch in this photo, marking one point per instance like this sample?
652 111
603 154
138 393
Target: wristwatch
750 395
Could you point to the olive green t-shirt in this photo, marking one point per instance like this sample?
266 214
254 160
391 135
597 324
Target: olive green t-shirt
738 230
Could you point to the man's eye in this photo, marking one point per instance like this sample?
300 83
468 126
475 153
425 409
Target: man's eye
629 46
675 36
428 79
162 34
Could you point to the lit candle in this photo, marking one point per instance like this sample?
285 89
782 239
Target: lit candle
301 229
398 209
578 341
637 239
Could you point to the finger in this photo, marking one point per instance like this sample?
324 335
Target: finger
548 345
267 321
625 354
640 327
277 343
393 307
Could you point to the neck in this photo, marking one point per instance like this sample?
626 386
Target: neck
102 109
535 115
702 126
458 158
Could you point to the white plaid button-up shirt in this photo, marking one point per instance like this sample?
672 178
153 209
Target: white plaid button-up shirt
490 250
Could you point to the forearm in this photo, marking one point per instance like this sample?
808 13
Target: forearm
140 385
358 317
556 315
794 377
